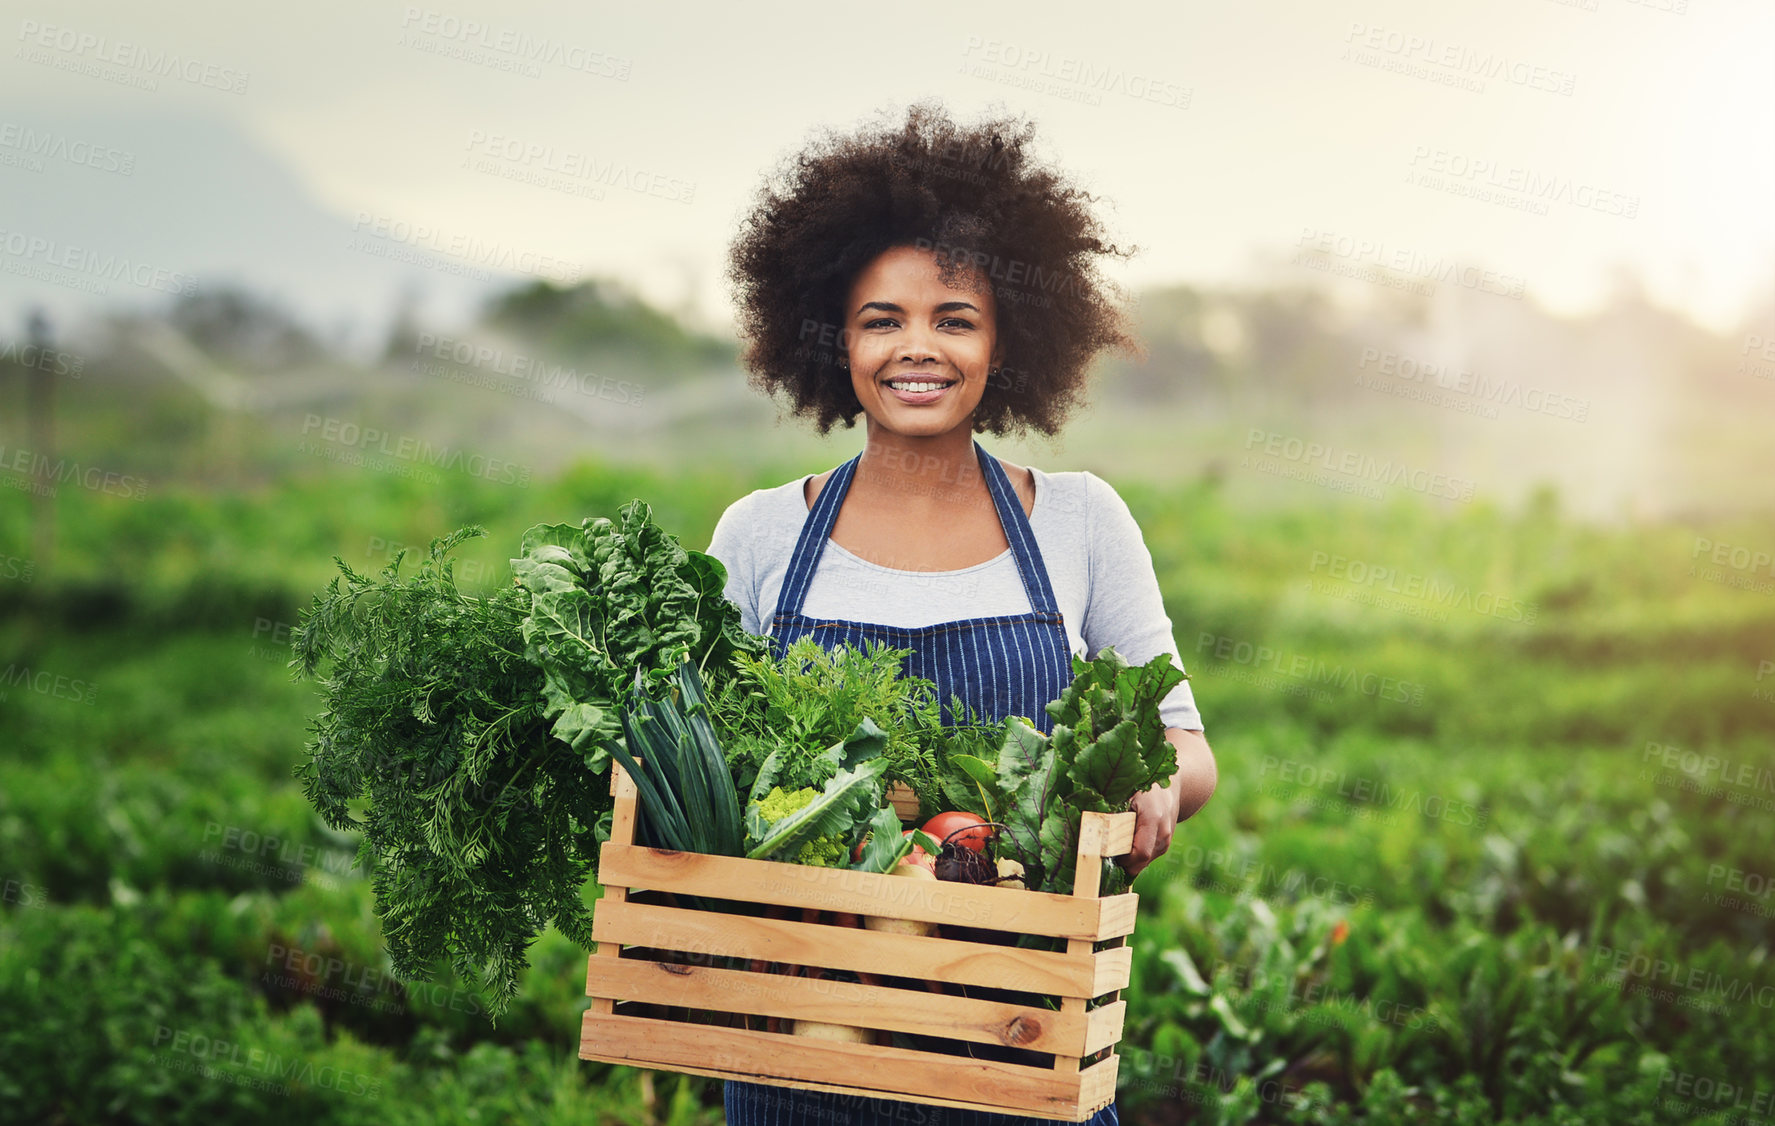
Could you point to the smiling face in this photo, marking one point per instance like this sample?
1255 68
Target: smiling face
919 348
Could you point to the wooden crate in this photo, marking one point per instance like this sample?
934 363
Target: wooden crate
661 998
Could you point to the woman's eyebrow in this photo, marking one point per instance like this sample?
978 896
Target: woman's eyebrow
890 307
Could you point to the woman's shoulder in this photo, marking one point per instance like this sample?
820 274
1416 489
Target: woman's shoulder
760 515
1071 496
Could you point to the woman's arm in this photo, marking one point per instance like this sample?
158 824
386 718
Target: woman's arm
1160 809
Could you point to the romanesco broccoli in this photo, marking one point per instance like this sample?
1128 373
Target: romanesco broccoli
824 852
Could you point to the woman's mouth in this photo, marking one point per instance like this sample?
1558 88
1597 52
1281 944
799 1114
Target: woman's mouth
918 391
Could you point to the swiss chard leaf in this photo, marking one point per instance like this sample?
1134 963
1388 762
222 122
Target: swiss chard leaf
885 846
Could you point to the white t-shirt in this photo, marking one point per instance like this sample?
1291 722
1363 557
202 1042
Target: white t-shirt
1097 562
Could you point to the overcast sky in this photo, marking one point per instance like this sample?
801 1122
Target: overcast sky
1221 132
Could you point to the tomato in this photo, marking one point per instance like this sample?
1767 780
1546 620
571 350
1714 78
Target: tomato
944 824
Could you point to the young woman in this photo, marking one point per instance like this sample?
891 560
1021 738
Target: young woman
940 282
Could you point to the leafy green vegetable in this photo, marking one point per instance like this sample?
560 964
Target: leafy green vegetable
687 798
795 708
1108 744
612 596
822 852
479 729
844 808
479 828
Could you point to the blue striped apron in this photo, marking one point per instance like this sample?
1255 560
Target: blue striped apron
1010 664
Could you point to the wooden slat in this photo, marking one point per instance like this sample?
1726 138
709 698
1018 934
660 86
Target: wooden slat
622 831
842 1002
813 944
1115 968
883 1072
865 893
1103 1026
1105 834
1099 1083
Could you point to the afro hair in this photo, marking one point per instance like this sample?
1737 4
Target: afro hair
978 199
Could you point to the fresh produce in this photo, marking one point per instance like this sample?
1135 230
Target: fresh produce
469 740
686 797
912 870
474 729
824 851
842 1033
960 859
845 809
973 832
788 712
479 828
1010 873
1108 744
610 598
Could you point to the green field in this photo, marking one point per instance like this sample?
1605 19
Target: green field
1492 843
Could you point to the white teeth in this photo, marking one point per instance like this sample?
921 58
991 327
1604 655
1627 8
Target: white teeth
916 386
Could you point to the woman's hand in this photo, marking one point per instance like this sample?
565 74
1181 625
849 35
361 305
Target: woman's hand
1157 812
1155 820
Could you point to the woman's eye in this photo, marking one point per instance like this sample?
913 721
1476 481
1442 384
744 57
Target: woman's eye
958 321
878 322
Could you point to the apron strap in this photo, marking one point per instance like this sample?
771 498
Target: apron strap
1020 535
817 528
